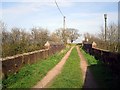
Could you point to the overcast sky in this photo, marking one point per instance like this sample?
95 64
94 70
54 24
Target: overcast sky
87 16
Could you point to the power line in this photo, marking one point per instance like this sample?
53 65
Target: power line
59 8
61 14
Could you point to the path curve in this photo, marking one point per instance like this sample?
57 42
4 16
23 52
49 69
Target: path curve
88 79
54 72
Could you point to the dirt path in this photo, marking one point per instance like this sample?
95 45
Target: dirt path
88 79
52 73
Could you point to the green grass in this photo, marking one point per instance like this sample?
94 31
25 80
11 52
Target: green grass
29 75
71 75
101 73
90 59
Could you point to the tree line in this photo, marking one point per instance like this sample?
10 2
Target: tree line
112 44
18 40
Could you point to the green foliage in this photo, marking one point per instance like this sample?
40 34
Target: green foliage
29 75
71 44
90 59
71 76
18 41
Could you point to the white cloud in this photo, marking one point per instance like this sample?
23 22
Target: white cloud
90 22
23 8
1 12
112 16
60 0
85 22
16 10
31 7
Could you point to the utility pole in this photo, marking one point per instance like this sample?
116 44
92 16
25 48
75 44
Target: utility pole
64 22
64 36
105 16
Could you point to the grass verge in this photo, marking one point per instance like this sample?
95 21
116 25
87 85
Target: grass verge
71 75
29 75
101 73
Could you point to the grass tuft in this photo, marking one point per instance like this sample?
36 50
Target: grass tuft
102 74
71 75
29 75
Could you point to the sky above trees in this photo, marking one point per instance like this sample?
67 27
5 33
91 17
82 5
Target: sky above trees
84 16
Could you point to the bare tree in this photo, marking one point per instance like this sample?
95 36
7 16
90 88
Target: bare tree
101 34
62 34
54 37
67 34
2 31
111 42
40 36
15 33
112 36
73 34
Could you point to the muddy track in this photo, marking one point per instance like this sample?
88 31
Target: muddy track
53 72
88 78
